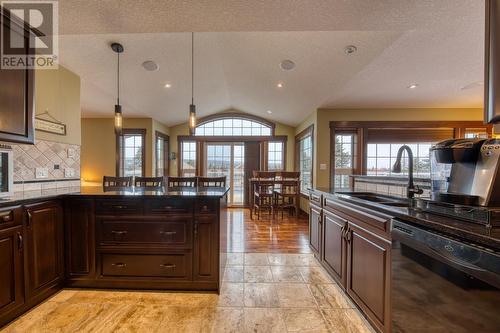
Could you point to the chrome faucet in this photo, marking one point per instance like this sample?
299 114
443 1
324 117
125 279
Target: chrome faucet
411 189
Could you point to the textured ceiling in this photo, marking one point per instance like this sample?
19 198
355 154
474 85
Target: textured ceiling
437 44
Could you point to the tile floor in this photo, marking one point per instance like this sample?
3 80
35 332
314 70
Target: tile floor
261 293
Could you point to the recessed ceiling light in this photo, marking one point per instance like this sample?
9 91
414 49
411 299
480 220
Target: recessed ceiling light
412 86
168 85
287 65
350 49
279 85
150 66
269 111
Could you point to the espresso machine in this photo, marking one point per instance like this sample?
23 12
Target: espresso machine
465 180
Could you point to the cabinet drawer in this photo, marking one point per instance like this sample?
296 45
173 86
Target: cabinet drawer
176 266
315 198
118 207
169 206
10 216
174 233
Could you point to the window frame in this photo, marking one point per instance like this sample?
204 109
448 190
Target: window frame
166 152
361 128
233 115
119 144
307 132
188 139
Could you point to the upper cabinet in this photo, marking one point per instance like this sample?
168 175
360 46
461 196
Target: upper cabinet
16 94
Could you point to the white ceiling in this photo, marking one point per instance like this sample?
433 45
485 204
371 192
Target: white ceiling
437 44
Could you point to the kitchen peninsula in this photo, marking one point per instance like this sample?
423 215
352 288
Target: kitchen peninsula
135 239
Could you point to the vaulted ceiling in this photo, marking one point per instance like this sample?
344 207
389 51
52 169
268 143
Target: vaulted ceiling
239 45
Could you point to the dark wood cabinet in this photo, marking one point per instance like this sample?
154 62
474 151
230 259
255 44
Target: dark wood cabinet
44 248
368 274
334 246
206 249
79 240
315 220
11 271
16 93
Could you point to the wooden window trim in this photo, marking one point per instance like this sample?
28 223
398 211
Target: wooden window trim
118 153
230 138
361 128
309 131
166 152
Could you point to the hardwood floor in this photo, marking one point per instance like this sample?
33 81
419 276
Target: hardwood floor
287 235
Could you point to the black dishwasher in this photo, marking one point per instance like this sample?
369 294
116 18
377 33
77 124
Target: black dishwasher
441 284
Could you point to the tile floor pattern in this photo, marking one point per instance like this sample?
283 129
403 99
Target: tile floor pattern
261 293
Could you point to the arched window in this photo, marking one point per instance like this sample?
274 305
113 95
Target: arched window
234 125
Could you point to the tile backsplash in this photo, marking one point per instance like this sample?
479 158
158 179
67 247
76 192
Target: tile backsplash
54 156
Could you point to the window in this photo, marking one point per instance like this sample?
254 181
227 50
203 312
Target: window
188 159
476 133
234 126
304 144
161 154
131 153
345 158
275 156
382 156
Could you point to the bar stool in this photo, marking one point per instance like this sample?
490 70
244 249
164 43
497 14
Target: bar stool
212 182
286 195
182 182
149 183
263 195
110 183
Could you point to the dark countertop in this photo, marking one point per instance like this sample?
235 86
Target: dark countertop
28 197
464 230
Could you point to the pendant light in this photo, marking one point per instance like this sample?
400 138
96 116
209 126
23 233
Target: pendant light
118 48
192 107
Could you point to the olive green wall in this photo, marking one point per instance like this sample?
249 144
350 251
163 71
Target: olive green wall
58 92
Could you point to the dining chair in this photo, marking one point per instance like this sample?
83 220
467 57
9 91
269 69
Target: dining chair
286 195
263 195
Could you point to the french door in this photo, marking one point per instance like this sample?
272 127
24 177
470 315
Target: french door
228 159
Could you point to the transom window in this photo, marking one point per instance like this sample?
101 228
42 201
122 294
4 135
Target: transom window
233 127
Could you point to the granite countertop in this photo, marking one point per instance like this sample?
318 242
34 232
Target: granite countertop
468 231
27 197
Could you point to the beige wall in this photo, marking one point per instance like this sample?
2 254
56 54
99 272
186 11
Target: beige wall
58 92
322 154
99 146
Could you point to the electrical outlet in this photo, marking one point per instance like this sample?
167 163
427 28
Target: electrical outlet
69 172
56 167
41 173
71 152
322 166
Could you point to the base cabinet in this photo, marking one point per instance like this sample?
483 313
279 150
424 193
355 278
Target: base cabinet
368 270
334 249
11 270
206 253
44 248
315 229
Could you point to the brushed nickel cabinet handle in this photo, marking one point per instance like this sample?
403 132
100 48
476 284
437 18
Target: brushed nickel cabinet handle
30 217
168 233
120 207
6 216
167 266
195 228
119 264
118 232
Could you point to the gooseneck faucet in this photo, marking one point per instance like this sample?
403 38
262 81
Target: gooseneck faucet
411 189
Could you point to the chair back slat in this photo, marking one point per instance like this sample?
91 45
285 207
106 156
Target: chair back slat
149 182
212 181
182 182
109 182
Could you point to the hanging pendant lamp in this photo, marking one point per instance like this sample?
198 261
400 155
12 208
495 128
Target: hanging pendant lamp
118 48
192 107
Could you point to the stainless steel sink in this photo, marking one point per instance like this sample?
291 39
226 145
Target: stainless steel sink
378 198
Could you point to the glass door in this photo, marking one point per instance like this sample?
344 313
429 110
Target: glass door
228 159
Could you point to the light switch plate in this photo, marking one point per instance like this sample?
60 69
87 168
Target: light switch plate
71 152
69 172
322 166
41 173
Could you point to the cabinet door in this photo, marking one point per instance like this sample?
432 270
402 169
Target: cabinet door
44 247
16 96
11 270
334 246
315 228
206 249
368 280
80 238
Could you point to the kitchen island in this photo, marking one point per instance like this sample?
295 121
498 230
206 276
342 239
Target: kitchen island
172 239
